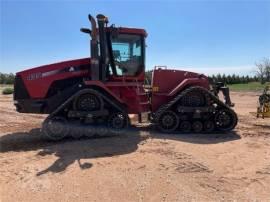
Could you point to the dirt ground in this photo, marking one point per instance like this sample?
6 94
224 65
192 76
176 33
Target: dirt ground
139 166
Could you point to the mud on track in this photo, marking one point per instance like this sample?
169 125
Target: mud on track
141 165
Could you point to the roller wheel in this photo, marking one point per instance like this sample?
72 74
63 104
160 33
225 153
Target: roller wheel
185 126
77 131
90 131
88 102
102 130
55 128
117 122
168 122
209 126
197 126
225 120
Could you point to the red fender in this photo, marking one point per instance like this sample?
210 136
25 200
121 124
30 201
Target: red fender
103 86
189 82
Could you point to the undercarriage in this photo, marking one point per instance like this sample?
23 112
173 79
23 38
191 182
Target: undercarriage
195 110
87 113
95 95
91 113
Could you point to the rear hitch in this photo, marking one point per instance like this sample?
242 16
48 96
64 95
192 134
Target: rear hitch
220 86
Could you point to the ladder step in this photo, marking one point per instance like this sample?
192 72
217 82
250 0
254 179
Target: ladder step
144 103
142 94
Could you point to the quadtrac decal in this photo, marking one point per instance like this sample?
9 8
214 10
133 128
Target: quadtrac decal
38 75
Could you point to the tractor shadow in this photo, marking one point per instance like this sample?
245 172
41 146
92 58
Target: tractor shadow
194 138
69 151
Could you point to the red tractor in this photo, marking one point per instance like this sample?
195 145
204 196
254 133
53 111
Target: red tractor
101 91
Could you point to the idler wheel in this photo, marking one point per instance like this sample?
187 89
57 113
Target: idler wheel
225 120
55 128
168 122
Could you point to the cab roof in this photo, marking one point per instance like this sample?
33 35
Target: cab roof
133 31
127 30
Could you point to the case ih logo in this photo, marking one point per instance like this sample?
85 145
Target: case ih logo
34 76
74 69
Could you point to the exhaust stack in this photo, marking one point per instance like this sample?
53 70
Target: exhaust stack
98 64
102 20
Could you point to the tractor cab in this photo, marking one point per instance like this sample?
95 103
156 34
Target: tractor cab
116 53
127 54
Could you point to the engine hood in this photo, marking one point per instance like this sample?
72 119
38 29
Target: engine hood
38 80
54 68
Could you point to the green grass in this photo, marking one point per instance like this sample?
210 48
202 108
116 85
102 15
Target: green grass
252 86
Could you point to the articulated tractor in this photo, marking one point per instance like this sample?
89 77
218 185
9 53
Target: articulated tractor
99 93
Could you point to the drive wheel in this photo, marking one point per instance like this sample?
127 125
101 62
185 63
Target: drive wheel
88 102
197 126
55 128
117 122
185 126
225 120
168 122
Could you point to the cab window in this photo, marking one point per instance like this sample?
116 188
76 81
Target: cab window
127 54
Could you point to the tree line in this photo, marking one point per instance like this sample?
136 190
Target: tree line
262 74
227 79
233 79
7 78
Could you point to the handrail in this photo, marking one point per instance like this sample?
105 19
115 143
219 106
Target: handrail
160 67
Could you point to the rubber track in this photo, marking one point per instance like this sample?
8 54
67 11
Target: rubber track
167 106
70 99
93 128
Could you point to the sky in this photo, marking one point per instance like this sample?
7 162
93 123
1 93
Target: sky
204 36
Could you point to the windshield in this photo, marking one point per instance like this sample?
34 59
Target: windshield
127 54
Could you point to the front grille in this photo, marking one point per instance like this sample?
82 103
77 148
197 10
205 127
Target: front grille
20 92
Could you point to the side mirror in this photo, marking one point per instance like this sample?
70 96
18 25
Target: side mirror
85 30
114 32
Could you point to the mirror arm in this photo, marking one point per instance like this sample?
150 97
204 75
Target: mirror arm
85 30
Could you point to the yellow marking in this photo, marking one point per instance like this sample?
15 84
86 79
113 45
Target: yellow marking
155 89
